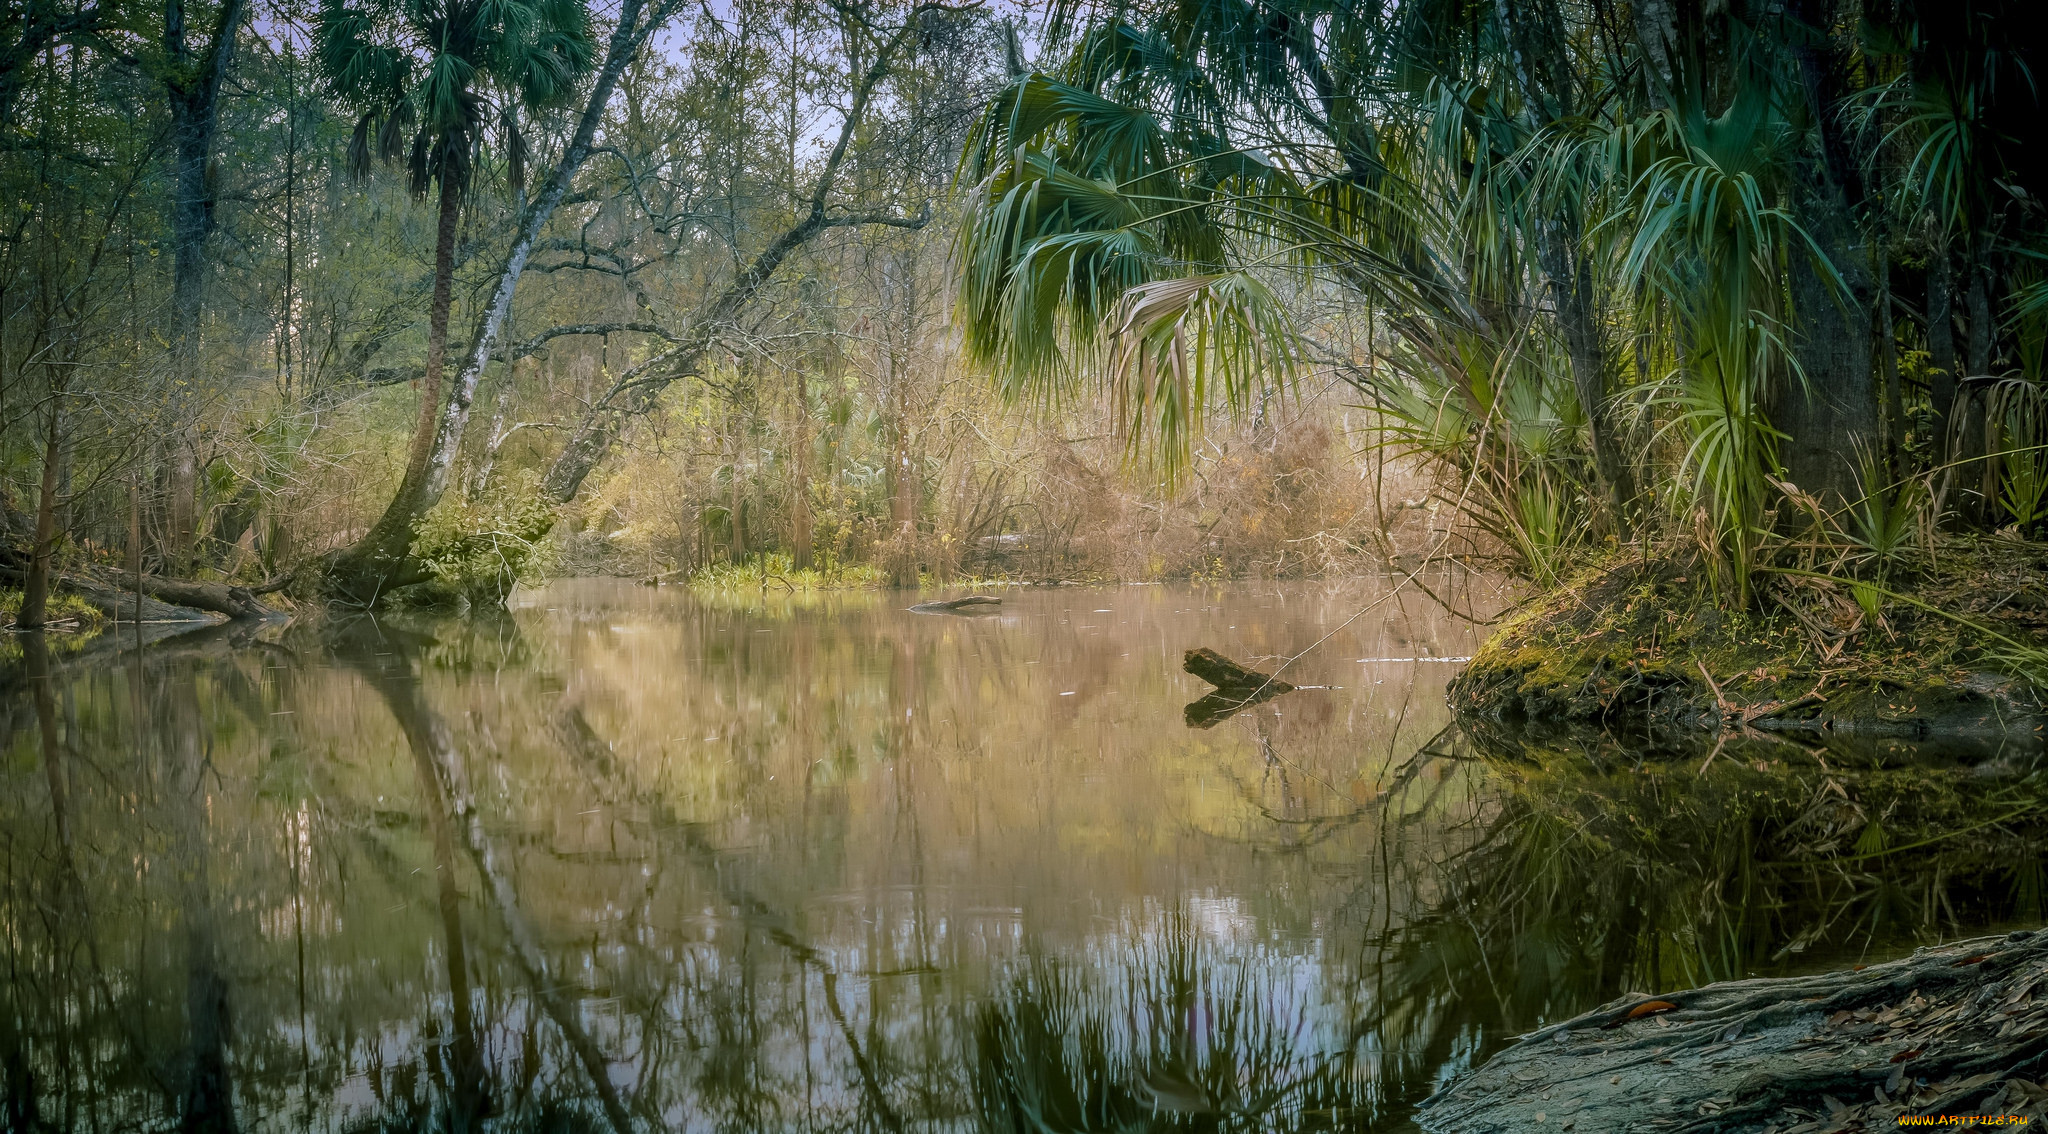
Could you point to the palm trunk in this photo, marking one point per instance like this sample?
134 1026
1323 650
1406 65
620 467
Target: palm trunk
35 590
468 1087
377 562
1571 278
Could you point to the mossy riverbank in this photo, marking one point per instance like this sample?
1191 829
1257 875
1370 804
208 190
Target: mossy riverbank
1950 651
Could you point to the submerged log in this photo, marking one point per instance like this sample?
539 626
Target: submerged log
1237 688
1958 1029
972 604
1227 675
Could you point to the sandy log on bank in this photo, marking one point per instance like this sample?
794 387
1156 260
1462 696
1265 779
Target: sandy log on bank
233 600
1957 1029
1228 676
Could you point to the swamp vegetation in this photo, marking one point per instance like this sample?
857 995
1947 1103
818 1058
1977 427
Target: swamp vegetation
461 462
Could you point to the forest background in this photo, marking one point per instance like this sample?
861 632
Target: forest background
395 300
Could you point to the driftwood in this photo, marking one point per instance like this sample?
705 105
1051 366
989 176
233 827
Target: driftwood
1959 1029
972 604
1237 688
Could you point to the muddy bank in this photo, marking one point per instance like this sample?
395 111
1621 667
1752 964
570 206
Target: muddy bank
1959 1029
1644 644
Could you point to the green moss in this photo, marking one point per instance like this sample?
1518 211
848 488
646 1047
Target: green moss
1635 637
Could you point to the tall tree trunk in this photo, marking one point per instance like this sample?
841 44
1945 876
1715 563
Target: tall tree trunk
192 83
1980 429
1941 348
1832 422
1571 281
1888 372
381 560
206 1097
800 505
1831 419
736 504
35 589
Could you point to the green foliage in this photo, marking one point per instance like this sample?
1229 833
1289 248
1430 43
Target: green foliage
63 608
773 572
418 67
480 550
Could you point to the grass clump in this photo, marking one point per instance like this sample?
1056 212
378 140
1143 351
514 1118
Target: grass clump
64 612
774 571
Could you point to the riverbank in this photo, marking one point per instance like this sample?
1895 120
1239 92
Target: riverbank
1952 650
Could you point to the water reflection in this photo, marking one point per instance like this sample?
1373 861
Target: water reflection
629 860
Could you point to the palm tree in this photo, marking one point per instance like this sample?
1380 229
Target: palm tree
427 78
1137 208
1515 193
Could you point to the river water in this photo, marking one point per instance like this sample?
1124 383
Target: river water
637 858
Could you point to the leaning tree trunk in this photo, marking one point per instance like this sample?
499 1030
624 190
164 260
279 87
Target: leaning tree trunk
378 559
379 562
639 389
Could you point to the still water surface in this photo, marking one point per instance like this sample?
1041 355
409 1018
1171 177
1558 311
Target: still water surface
635 859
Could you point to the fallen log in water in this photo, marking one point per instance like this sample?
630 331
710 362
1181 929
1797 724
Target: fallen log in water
1227 675
1958 1029
233 600
1237 688
972 604
117 604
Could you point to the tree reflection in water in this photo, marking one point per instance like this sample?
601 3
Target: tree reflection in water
495 877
